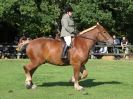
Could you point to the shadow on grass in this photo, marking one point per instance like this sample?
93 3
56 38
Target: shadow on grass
85 83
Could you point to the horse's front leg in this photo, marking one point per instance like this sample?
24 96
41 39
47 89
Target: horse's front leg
76 69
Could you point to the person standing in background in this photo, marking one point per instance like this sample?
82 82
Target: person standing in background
124 45
116 42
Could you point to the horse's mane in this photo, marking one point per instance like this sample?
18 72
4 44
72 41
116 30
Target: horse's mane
89 29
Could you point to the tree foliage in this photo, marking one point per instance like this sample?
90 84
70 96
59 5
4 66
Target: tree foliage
36 17
29 17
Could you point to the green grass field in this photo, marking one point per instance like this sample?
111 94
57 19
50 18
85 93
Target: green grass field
106 80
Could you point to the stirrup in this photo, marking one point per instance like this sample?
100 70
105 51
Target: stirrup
64 57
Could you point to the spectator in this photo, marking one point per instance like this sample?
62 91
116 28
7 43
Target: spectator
16 39
116 42
124 44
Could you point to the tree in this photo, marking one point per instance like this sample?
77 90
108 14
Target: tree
28 17
88 13
37 17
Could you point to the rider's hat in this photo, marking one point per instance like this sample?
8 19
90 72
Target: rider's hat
68 8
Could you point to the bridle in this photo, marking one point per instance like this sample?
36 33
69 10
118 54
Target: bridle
105 36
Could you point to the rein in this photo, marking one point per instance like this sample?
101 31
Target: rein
87 38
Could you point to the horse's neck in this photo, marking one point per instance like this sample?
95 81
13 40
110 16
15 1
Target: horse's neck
89 38
90 44
85 44
92 34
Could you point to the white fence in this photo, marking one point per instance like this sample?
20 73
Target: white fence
9 51
116 51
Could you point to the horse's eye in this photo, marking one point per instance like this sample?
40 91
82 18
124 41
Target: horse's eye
104 32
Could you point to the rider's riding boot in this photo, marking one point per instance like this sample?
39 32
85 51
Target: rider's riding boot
64 53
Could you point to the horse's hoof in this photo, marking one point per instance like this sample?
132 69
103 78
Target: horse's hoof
28 86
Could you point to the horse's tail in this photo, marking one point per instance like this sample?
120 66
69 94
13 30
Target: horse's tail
22 48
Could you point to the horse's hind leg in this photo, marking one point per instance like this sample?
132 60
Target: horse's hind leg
29 70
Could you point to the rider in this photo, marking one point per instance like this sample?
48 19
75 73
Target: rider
67 30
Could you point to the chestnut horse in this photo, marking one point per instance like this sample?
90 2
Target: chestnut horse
42 50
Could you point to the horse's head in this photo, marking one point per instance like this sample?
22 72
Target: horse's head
103 35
